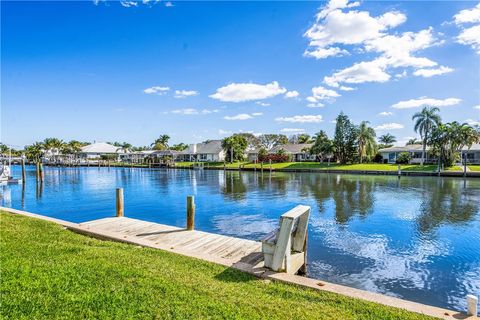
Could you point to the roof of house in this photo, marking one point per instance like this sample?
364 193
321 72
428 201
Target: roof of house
474 147
407 148
210 147
292 148
100 147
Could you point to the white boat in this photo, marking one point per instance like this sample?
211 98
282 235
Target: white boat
5 176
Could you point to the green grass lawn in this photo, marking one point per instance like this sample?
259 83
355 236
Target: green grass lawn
326 166
52 273
474 167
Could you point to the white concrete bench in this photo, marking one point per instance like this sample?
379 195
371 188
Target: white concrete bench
285 249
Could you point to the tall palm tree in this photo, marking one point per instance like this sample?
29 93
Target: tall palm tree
425 121
161 143
366 140
54 146
35 151
125 147
387 139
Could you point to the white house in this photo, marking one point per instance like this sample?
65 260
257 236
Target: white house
390 154
473 154
211 151
96 150
298 151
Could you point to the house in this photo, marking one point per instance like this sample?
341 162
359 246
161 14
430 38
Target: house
390 154
99 149
252 154
210 151
297 151
472 153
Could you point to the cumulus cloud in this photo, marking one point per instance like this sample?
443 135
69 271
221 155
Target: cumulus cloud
389 126
385 113
427 73
477 107
292 94
156 90
239 92
321 94
301 119
128 4
338 28
185 93
469 35
426 102
468 15
263 104
192 111
473 122
243 116
292 130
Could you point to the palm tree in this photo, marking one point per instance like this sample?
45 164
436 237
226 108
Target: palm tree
161 143
425 121
366 140
35 151
54 146
124 147
387 139
413 141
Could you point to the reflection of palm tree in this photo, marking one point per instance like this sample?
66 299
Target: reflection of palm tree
448 203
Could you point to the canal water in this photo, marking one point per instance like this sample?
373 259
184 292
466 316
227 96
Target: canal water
416 238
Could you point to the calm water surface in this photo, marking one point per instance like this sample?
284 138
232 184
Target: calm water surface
415 238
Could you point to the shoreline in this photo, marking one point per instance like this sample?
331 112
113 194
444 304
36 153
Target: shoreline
455 174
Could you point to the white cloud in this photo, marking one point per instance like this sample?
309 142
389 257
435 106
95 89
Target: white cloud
316 105
337 28
192 111
470 36
224 132
156 89
301 119
389 126
185 93
263 104
477 107
292 94
333 26
292 130
385 113
468 15
239 92
424 102
427 73
345 88
168 4
321 94
473 122
241 116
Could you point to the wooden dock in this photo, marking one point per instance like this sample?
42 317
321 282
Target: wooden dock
212 247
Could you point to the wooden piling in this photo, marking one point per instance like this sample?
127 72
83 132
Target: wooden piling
190 213
270 163
120 203
40 167
24 174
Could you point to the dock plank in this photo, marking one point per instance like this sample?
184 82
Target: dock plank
217 246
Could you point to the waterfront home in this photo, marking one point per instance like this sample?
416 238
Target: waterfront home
210 151
252 154
472 154
297 151
391 154
98 149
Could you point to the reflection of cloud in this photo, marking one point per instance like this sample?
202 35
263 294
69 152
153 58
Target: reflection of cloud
385 265
244 225
470 283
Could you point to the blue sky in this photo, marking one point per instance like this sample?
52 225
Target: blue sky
130 71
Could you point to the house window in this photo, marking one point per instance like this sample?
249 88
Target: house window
392 157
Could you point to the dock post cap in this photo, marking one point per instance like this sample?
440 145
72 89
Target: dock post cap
472 305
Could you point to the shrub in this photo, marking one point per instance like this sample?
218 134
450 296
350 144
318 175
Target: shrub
403 158
275 158
378 158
